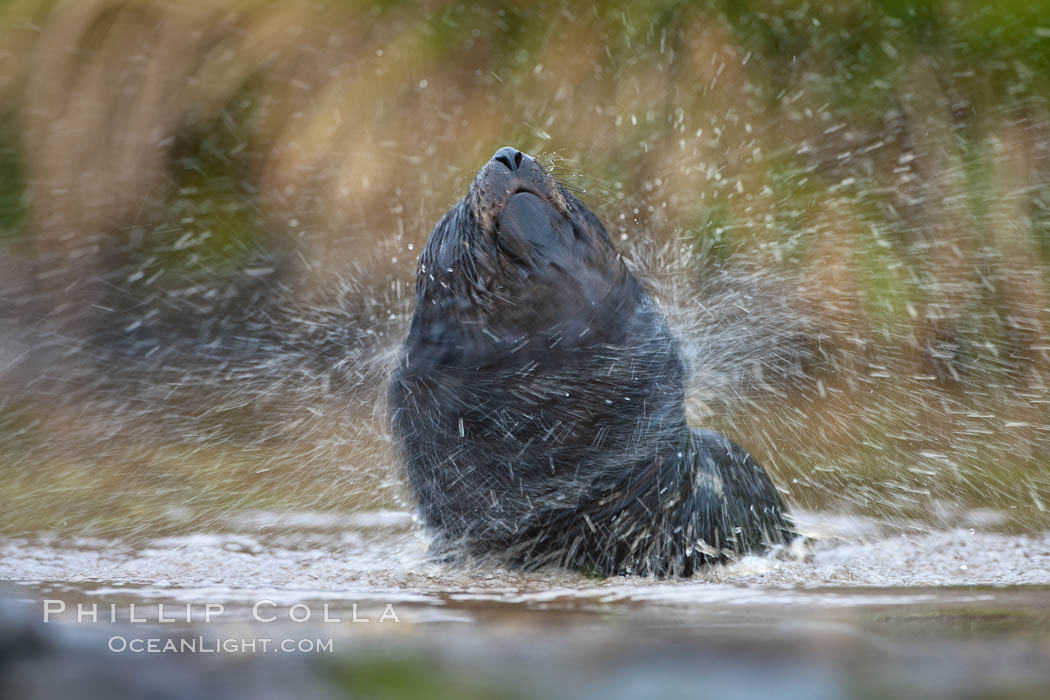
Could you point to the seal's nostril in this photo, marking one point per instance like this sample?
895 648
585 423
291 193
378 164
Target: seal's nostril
510 158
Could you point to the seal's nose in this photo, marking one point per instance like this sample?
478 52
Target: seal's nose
511 158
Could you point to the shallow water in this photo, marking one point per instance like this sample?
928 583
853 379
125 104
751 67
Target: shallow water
861 608
373 554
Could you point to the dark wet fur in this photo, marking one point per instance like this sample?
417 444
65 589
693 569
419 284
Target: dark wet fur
539 402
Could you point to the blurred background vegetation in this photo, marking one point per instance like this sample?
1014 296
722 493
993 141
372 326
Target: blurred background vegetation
210 215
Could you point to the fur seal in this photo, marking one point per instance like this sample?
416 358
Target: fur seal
538 405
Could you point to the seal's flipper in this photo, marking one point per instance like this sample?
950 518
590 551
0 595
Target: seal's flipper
743 506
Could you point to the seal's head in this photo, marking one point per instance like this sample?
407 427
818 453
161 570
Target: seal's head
520 252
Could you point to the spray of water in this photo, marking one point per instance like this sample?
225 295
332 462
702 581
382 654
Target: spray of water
200 316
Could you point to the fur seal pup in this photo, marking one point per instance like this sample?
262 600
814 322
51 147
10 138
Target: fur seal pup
538 405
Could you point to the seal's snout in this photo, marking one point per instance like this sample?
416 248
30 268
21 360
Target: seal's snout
515 171
508 173
509 157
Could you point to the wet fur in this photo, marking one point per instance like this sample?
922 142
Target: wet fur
539 405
